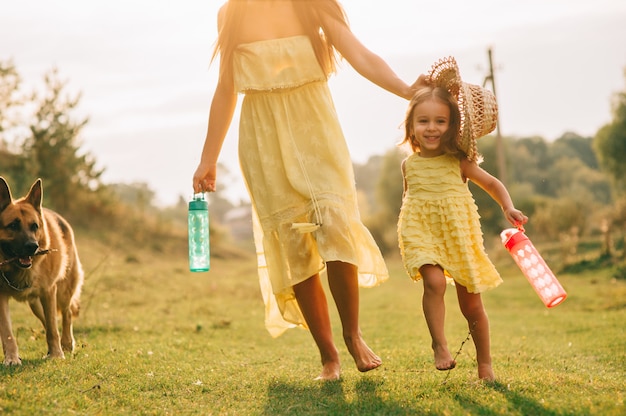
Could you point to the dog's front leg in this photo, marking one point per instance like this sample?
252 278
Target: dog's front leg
49 303
9 344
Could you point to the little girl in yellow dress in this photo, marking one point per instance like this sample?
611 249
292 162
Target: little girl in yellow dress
439 229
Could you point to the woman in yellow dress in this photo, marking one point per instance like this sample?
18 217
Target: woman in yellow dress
296 165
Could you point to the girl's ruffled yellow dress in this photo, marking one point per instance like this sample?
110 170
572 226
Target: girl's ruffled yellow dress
439 224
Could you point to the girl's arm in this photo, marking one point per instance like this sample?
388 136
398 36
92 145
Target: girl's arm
220 116
495 189
367 63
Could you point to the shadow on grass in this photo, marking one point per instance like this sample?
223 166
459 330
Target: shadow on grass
97 329
518 403
328 398
27 364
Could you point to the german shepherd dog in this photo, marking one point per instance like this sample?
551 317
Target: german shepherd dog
39 264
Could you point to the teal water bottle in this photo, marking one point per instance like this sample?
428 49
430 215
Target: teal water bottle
198 230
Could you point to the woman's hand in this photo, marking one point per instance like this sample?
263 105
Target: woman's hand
420 82
204 178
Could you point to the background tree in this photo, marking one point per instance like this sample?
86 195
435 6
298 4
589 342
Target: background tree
573 146
571 177
52 151
610 143
530 160
39 138
366 175
366 178
389 190
389 186
11 101
9 97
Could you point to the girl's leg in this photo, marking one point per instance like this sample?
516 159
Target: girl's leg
344 286
435 314
472 308
312 301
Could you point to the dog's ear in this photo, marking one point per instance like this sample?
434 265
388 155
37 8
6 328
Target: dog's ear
5 194
35 195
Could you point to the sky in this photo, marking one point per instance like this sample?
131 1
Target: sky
143 70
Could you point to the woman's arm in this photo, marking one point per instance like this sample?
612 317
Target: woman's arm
220 116
495 188
367 63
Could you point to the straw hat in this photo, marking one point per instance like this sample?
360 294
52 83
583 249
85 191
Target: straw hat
477 105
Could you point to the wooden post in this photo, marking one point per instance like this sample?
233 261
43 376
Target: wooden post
500 157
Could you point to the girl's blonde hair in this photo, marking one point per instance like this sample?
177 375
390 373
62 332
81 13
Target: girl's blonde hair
449 138
310 13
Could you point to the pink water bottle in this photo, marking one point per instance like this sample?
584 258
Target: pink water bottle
533 266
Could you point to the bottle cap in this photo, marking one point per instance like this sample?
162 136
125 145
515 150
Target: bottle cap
198 202
511 236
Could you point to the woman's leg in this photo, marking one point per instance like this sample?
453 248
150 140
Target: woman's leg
434 307
344 286
473 310
312 301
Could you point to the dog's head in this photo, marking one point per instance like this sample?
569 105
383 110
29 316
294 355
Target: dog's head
21 224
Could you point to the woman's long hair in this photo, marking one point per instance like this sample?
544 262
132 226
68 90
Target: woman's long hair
312 15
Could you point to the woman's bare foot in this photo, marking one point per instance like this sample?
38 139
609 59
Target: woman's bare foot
485 372
364 357
331 371
443 358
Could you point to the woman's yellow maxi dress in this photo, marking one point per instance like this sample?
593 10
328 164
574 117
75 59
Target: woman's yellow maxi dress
292 151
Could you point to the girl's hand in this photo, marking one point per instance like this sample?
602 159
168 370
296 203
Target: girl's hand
204 178
515 217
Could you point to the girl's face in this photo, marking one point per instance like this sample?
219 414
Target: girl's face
431 119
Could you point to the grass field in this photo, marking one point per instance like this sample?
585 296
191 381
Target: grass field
155 339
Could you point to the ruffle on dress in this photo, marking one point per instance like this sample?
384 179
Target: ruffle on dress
290 257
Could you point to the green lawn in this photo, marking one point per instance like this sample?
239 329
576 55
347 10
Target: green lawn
155 339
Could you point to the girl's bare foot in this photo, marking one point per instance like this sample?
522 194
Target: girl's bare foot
443 358
364 357
331 371
485 372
